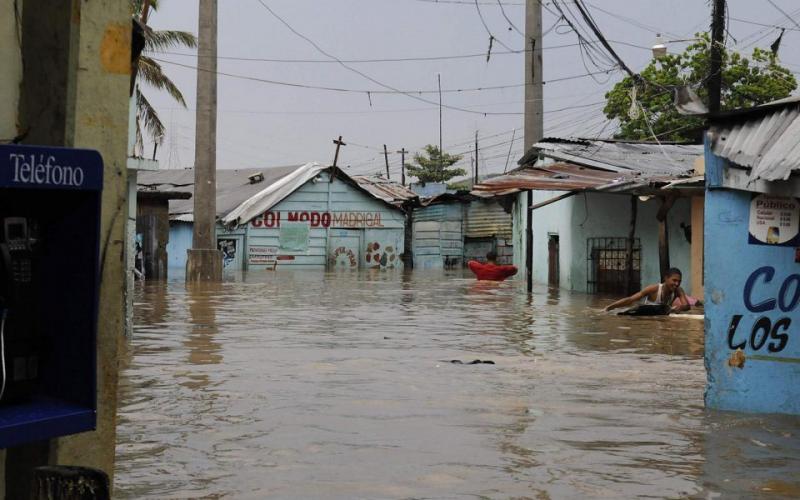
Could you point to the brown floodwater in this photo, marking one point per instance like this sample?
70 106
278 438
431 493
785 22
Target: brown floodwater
339 386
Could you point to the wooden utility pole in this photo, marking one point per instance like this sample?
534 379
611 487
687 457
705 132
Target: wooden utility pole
441 149
204 262
476 159
715 69
339 143
534 113
403 166
386 157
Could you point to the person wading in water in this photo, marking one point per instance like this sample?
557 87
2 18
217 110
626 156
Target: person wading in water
658 295
491 271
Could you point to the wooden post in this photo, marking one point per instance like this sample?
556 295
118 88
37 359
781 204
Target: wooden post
70 483
403 166
339 143
663 234
715 56
629 249
476 158
529 242
386 157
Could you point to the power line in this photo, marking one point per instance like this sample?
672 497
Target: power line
373 80
393 59
486 27
790 18
376 91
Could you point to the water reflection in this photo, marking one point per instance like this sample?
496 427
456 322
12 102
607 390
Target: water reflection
339 385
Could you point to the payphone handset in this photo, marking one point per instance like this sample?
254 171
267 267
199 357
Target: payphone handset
19 359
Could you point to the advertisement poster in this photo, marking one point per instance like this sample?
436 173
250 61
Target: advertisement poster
774 220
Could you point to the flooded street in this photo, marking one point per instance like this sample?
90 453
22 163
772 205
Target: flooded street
313 385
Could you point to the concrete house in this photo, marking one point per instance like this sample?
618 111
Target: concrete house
752 225
605 216
313 216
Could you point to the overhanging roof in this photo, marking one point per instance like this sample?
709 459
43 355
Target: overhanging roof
386 190
553 177
763 138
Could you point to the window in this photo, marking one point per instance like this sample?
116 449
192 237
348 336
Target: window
607 266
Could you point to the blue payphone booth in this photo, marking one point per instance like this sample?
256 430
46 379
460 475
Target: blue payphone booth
49 280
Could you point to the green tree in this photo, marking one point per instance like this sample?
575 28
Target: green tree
433 166
745 82
147 70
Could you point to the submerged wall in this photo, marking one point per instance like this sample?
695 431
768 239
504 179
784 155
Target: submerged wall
752 346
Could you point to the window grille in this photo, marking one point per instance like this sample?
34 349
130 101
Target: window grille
607 265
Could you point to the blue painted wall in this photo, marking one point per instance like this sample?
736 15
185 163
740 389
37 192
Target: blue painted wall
750 304
438 235
595 215
180 240
377 244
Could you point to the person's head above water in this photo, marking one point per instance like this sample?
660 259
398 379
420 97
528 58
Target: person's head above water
491 256
673 278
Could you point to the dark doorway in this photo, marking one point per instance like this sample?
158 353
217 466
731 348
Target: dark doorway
552 260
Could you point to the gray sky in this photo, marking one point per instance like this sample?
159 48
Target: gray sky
262 124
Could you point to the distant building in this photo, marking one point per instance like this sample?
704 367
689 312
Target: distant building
310 215
607 216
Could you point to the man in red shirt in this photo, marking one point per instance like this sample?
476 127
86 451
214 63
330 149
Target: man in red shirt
491 271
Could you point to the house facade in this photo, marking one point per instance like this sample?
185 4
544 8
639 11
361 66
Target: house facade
752 269
309 216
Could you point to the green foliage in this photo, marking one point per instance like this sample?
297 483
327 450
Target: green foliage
147 70
433 166
745 82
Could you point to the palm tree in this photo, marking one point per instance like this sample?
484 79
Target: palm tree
152 73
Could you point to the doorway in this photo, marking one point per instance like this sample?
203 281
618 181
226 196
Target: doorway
553 278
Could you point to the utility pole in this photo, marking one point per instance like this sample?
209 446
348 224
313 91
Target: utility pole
403 166
204 260
441 150
339 143
386 157
476 159
534 112
717 42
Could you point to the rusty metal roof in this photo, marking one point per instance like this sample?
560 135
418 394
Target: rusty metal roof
763 138
629 158
553 177
386 190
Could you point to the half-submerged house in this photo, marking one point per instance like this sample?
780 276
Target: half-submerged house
604 216
312 216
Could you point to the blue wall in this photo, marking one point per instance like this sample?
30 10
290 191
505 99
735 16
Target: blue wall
180 240
744 309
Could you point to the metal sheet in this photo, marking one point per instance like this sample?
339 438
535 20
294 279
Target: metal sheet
485 219
765 141
391 192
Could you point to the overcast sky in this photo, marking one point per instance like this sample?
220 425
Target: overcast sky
265 124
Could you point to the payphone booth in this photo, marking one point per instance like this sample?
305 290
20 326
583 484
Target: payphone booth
49 279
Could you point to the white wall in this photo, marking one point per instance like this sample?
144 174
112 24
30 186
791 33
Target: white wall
590 215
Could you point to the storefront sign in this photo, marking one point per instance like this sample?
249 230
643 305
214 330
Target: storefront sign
257 254
774 220
272 219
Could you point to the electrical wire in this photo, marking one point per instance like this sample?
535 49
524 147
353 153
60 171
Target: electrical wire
373 80
486 27
790 18
3 351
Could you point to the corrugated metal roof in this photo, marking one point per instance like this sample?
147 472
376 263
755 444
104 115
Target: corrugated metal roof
553 177
233 187
386 190
765 140
628 158
487 218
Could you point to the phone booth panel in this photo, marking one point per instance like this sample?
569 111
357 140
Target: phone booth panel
49 281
